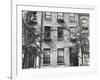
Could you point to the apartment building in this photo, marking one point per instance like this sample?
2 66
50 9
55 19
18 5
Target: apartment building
59 41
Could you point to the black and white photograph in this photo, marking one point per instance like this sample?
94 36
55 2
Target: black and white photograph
55 39
52 41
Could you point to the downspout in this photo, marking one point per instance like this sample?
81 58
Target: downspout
41 30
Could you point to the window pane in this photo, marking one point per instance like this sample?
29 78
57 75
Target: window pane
61 59
48 17
84 23
48 13
60 52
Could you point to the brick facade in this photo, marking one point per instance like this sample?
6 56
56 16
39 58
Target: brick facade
53 42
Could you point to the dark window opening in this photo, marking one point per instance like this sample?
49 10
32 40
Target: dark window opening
74 56
46 56
60 33
47 32
84 28
31 18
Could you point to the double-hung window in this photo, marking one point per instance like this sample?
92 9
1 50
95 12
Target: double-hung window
60 16
47 16
72 17
60 56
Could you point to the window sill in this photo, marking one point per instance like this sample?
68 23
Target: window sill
61 64
46 64
48 19
72 21
60 39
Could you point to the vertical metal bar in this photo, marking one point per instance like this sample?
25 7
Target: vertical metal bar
41 28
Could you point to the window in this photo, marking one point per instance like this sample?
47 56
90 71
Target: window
46 56
72 17
47 32
60 32
84 28
73 29
60 16
48 16
60 56
23 37
84 20
32 18
32 15
73 33
73 56
84 23
86 59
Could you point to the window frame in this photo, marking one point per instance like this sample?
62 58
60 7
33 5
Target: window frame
72 32
60 16
46 63
84 22
72 35
60 32
32 16
71 18
60 63
46 16
46 32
